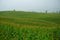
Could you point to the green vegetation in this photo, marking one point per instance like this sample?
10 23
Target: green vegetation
19 25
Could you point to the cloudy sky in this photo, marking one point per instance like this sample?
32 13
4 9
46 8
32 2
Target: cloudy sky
30 5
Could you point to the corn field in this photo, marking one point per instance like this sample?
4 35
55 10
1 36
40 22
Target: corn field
29 26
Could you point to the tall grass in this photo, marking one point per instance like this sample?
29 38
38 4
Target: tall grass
29 26
12 32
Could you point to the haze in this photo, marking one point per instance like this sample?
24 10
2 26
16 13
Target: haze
30 5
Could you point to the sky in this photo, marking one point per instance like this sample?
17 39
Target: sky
30 5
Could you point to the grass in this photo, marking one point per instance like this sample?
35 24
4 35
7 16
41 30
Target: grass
19 25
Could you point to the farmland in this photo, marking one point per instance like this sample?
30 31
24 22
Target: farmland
20 25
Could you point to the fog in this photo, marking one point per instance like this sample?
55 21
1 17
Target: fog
30 5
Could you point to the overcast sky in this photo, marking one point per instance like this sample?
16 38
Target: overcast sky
30 5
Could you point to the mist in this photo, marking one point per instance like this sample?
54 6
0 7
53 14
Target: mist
30 5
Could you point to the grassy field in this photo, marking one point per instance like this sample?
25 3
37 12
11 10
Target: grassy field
19 25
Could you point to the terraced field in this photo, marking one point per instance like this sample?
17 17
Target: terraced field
17 25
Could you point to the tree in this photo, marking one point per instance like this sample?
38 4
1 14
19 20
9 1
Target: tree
46 11
14 10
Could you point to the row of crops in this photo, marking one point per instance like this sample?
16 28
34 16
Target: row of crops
29 26
11 32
